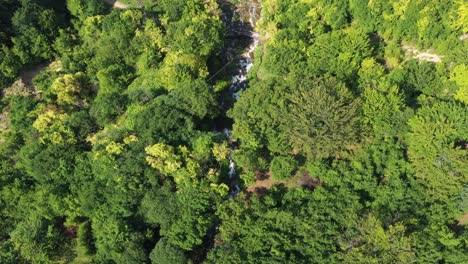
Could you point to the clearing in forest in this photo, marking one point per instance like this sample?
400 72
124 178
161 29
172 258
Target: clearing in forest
264 181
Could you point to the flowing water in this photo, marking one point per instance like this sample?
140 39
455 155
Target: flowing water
241 24
238 52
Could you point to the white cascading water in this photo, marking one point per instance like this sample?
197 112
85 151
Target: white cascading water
239 83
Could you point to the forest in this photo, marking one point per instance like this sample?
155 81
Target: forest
234 131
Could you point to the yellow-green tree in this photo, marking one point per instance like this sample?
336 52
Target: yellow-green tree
459 75
436 148
51 125
71 90
374 244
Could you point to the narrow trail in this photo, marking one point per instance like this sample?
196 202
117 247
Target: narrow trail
420 55
116 4
23 86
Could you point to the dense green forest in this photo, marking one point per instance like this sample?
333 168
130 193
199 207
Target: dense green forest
349 137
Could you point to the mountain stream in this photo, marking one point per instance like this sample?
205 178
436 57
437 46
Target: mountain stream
240 26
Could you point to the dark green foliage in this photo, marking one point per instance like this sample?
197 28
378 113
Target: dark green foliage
266 231
165 253
117 242
282 167
7 9
20 120
83 9
195 98
47 163
34 24
10 64
160 207
40 240
358 119
8 254
322 118
161 120
250 159
27 31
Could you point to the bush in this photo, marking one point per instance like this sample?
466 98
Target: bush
248 178
282 167
85 240
165 253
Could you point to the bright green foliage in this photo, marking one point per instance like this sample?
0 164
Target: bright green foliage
459 75
258 117
178 67
383 110
220 152
85 244
163 158
373 244
71 90
51 124
371 74
198 31
436 140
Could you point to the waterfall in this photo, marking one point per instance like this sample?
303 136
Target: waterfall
239 80
243 64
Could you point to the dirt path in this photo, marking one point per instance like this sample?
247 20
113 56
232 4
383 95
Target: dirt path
24 86
116 4
421 56
265 182
463 220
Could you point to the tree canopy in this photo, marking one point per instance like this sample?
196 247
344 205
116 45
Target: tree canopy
246 131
